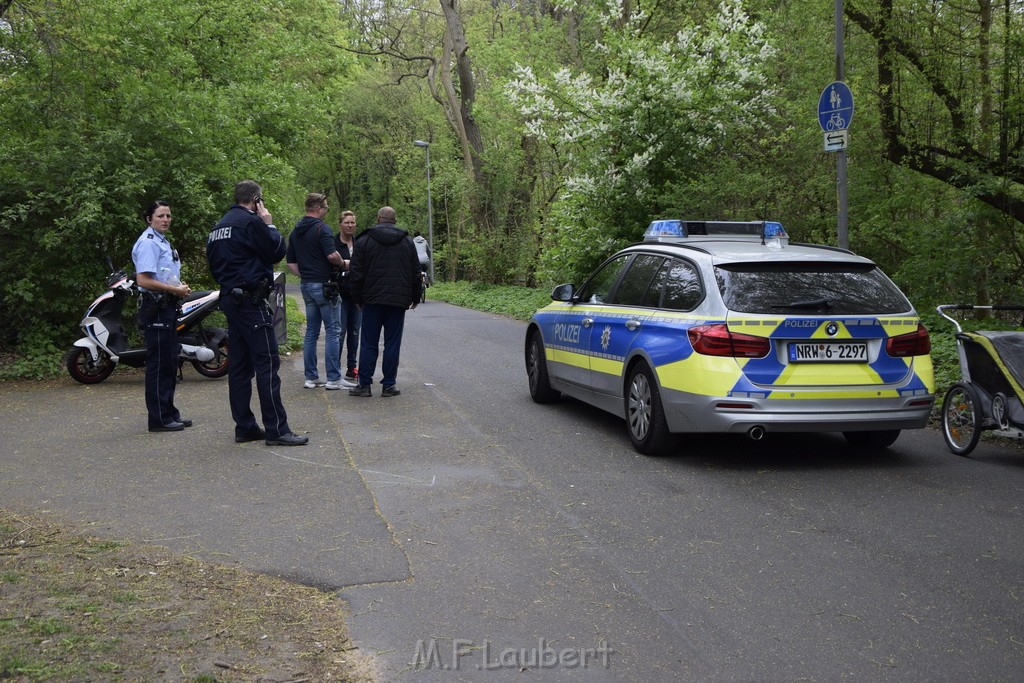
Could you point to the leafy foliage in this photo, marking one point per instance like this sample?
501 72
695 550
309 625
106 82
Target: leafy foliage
108 109
593 118
657 111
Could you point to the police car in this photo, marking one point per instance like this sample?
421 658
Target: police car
727 327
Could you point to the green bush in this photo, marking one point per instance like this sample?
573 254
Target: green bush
40 358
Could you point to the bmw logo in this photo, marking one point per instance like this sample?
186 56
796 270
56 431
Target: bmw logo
831 329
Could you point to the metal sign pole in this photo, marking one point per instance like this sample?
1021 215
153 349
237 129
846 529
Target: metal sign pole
843 225
430 214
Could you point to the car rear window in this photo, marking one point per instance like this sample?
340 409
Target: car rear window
810 288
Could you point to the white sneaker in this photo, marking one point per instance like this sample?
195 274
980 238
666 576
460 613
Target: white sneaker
338 384
313 384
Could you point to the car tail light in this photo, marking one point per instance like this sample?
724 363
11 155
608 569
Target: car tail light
916 343
717 340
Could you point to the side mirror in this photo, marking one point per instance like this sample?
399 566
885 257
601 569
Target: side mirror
562 293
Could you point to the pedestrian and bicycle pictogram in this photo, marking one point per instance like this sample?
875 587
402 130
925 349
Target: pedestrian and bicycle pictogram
835 107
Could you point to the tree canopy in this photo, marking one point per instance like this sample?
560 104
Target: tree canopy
558 129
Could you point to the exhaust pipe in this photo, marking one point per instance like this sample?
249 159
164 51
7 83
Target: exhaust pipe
756 433
199 353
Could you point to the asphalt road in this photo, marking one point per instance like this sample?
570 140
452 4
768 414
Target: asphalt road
478 536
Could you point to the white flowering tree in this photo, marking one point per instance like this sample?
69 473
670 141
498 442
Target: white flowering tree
658 107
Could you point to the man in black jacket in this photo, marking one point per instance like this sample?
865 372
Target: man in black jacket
313 257
385 281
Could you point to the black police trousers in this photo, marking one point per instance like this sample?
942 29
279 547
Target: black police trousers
253 355
162 349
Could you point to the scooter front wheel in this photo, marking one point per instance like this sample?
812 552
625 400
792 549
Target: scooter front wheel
84 369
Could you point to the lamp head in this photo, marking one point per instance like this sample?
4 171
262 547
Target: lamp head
421 143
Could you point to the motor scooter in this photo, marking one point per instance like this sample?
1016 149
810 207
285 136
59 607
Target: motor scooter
106 343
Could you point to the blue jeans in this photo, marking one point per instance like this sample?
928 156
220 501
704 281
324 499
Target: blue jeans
375 318
351 317
321 311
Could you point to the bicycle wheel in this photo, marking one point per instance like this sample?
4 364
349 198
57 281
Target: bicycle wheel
961 418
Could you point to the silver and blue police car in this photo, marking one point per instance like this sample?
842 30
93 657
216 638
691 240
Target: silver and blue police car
727 327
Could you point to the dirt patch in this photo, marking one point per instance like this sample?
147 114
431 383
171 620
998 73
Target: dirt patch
75 607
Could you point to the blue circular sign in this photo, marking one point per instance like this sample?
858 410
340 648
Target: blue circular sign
835 107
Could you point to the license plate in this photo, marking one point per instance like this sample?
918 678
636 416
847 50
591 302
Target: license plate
828 352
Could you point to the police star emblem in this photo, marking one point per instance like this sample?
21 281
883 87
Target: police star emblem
606 337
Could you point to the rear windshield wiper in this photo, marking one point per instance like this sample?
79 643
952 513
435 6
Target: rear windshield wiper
810 303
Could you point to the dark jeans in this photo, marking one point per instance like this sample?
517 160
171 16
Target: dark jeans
351 318
390 319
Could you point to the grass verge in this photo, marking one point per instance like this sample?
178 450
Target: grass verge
74 607
511 300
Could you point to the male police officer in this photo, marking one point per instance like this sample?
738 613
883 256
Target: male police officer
242 250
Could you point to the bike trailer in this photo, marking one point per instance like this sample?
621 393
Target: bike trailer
994 364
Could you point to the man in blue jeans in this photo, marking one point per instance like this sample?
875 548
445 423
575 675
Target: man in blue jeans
313 257
385 282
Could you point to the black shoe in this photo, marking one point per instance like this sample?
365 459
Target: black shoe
187 423
289 439
254 436
390 391
361 390
350 374
169 427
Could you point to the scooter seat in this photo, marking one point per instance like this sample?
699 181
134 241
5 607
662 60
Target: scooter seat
197 295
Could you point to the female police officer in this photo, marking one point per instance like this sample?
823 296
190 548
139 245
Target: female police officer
158 272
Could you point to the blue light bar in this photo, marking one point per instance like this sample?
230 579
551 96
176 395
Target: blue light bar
666 228
670 229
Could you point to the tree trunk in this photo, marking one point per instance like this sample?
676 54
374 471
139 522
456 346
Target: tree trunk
458 105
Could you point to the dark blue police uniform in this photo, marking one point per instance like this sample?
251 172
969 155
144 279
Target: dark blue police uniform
241 251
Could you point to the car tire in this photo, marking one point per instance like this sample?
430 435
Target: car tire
961 418
645 414
537 371
874 441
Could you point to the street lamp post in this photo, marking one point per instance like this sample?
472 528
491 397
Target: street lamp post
430 212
